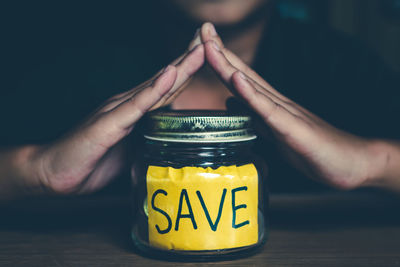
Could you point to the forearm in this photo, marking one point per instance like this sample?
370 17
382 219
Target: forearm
385 165
18 173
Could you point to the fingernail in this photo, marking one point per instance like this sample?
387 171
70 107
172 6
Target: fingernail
196 33
195 43
211 30
241 75
216 46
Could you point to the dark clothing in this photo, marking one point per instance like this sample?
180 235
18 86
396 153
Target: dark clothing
52 84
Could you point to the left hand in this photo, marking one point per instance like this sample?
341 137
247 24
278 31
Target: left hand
315 147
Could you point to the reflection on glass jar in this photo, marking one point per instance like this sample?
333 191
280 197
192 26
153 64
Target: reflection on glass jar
200 194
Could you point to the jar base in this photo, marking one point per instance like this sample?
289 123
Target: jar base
197 256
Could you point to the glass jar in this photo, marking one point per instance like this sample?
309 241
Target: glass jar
200 193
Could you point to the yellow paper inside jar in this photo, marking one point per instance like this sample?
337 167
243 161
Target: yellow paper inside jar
194 208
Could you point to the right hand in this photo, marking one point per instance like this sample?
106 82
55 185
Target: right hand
89 157
310 144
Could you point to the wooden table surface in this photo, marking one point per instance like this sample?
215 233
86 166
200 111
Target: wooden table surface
332 229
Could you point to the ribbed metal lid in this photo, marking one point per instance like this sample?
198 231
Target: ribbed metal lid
199 126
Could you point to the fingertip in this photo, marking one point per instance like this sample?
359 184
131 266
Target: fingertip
207 31
197 33
210 29
238 78
195 41
241 75
203 32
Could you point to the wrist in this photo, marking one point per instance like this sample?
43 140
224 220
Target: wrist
26 165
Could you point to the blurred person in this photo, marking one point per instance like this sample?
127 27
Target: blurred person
325 104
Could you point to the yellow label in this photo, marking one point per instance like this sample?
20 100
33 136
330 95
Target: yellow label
194 208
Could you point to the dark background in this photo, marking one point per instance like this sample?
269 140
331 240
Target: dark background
34 31
39 33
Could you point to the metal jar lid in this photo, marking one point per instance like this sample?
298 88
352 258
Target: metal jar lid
198 126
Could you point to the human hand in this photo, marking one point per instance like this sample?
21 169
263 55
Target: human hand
90 156
312 145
